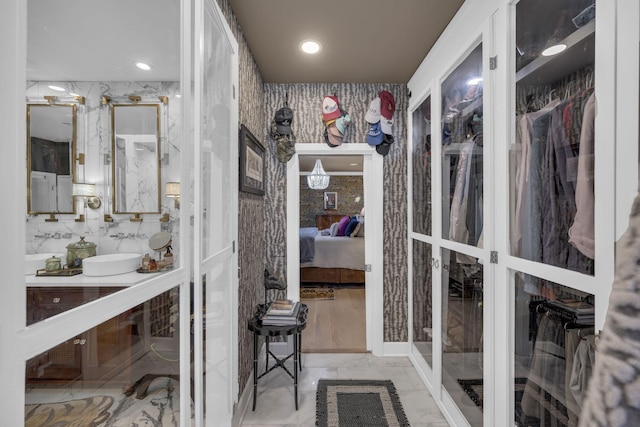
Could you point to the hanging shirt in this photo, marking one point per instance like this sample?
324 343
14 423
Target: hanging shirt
581 233
525 124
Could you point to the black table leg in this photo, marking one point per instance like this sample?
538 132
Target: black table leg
300 351
255 369
266 353
295 367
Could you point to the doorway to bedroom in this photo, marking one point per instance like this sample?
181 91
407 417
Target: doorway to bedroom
372 199
332 258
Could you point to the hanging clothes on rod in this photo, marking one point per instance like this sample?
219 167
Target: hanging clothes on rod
551 142
548 398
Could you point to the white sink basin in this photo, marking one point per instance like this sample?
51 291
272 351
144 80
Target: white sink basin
35 262
110 264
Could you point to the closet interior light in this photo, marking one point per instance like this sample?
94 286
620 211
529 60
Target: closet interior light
143 66
554 50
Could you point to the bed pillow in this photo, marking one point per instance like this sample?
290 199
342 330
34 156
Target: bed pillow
342 225
333 230
360 232
353 222
356 230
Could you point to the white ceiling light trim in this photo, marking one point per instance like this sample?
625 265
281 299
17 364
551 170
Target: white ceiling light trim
310 46
318 178
143 66
554 50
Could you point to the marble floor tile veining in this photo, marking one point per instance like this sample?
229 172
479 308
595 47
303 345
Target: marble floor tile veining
275 404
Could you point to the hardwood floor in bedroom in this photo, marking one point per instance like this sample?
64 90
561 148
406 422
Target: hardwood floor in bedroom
337 325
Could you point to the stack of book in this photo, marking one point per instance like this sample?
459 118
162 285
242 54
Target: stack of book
281 313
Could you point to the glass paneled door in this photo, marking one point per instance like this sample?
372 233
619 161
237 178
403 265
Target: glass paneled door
462 180
215 218
422 332
553 209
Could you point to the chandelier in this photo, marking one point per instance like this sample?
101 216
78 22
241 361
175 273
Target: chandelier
318 178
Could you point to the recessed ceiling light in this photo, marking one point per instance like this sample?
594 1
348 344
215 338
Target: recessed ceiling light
353 164
58 88
474 81
310 46
554 50
143 66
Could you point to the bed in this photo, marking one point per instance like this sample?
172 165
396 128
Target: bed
334 260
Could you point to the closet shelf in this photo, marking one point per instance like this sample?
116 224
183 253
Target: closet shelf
547 69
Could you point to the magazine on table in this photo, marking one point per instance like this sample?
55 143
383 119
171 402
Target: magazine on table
282 312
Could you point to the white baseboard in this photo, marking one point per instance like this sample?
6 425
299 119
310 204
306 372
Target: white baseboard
395 349
244 403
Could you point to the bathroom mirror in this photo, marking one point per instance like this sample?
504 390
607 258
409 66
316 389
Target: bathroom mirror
51 150
135 130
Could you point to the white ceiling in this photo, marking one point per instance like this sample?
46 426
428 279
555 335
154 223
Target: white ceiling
331 163
101 40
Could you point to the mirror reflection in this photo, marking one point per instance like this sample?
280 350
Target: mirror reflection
136 158
51 146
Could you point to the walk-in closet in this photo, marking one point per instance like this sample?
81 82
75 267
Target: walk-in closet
512 200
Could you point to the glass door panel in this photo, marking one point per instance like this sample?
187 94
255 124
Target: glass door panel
106 373
422 168
554 353
423 299
218 138
462 174
462 333
552 159
217 347
216 230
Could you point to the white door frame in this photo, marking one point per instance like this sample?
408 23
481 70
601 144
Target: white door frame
372 179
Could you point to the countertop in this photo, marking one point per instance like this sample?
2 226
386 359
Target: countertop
126 279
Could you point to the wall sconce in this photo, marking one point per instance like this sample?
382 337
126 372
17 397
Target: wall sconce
88 191
172 189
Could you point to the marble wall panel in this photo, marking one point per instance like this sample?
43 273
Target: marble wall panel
94 140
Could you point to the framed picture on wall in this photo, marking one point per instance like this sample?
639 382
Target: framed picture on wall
252 168
330 201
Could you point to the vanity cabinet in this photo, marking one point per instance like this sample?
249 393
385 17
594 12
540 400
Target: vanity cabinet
97 354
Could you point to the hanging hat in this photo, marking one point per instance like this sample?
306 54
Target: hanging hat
285 148
334 135
326 138
386 125
375 135
342 122
283 119
330 108
384 147
373 113
387 104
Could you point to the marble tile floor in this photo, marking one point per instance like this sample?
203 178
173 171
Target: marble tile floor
275 405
